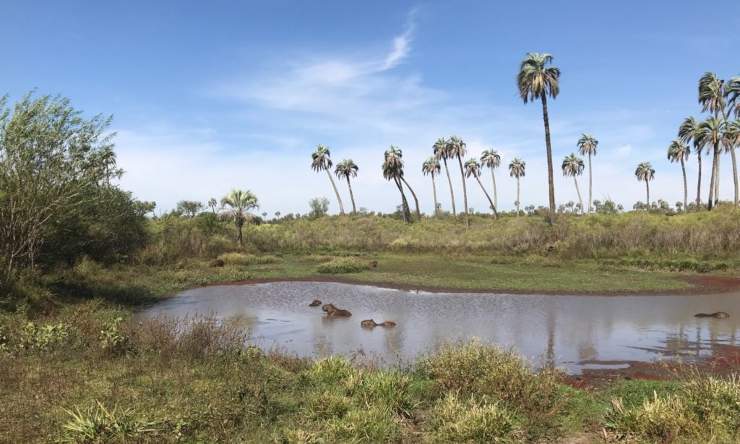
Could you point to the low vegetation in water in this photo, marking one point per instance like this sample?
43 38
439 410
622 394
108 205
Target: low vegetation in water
90 373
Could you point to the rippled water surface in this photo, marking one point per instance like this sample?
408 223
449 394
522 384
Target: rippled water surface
573 332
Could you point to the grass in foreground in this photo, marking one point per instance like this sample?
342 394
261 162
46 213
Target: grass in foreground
89 375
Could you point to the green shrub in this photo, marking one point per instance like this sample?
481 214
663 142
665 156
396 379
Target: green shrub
455 420
98 424
112 339
387 388
247 259
47 337
332 371
659 419
343 265
370 424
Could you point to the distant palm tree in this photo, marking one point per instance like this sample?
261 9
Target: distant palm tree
239 202
678 152
394 150
472 168
516 169
730 141
456 148
732 92
321 160
431 167
213 204
645 172
393 170
492 160
688 132
536 81
573 166
344 170
587 146
712 99
709 133
440 152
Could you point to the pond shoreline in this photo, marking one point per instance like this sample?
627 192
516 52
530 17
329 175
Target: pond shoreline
700 285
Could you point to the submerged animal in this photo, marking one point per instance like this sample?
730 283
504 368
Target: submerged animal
370 323
315 303
715 315
332 311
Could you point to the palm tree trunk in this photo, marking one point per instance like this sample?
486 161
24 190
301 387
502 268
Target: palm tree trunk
698 182
336 191
647 189
239 233
449 181
578 191
734 172
434 191
685 187
710 204
495 194
517 196
465 192
416 201
351 196
404 202
550 180
716 178
493 206
590 182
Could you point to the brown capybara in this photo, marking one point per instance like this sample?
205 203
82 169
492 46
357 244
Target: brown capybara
315 303
332 311
388 324
715 315
370 323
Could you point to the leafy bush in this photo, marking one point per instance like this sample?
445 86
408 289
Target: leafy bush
455 420
45 337
97 424
343 265
112 339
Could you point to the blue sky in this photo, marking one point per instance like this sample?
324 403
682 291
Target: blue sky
207 96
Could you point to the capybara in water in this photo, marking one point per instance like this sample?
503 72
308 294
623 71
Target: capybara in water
370 323
333 311
315 303
715 315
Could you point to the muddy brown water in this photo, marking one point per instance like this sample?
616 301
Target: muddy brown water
572 332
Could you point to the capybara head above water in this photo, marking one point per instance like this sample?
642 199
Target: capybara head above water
715 315
333 311
328 307
315 303
368 323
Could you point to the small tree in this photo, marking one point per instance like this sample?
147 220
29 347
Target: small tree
238 204
319 207
189 208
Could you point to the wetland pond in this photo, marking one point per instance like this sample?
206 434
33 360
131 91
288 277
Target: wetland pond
572 332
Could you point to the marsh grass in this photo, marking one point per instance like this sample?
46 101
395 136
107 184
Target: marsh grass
341 265
247 259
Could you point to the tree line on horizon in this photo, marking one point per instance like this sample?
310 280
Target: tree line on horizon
537 80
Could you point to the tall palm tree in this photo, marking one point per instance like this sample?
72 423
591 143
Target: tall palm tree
394 150
321 160
730 141
645 172
732 93
239 202
492 160
573 166
709 133
431 167
536 81
440 152
688 132
346 169
213 203
393 170
456 148
472 168
712 99
587 146
516 169
678 152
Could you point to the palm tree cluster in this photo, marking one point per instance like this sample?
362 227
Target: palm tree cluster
718 133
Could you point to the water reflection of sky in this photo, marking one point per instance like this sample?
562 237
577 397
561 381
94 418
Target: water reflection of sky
574 332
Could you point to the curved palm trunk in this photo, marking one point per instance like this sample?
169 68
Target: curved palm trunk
336 191
685 187
578 191
404 202
449 181
239 226
493 206
712 179
698 182
495 194
734 173
434 191
351 196
647 189
416 201
590 183
465 192
550 180
716 177
517 196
